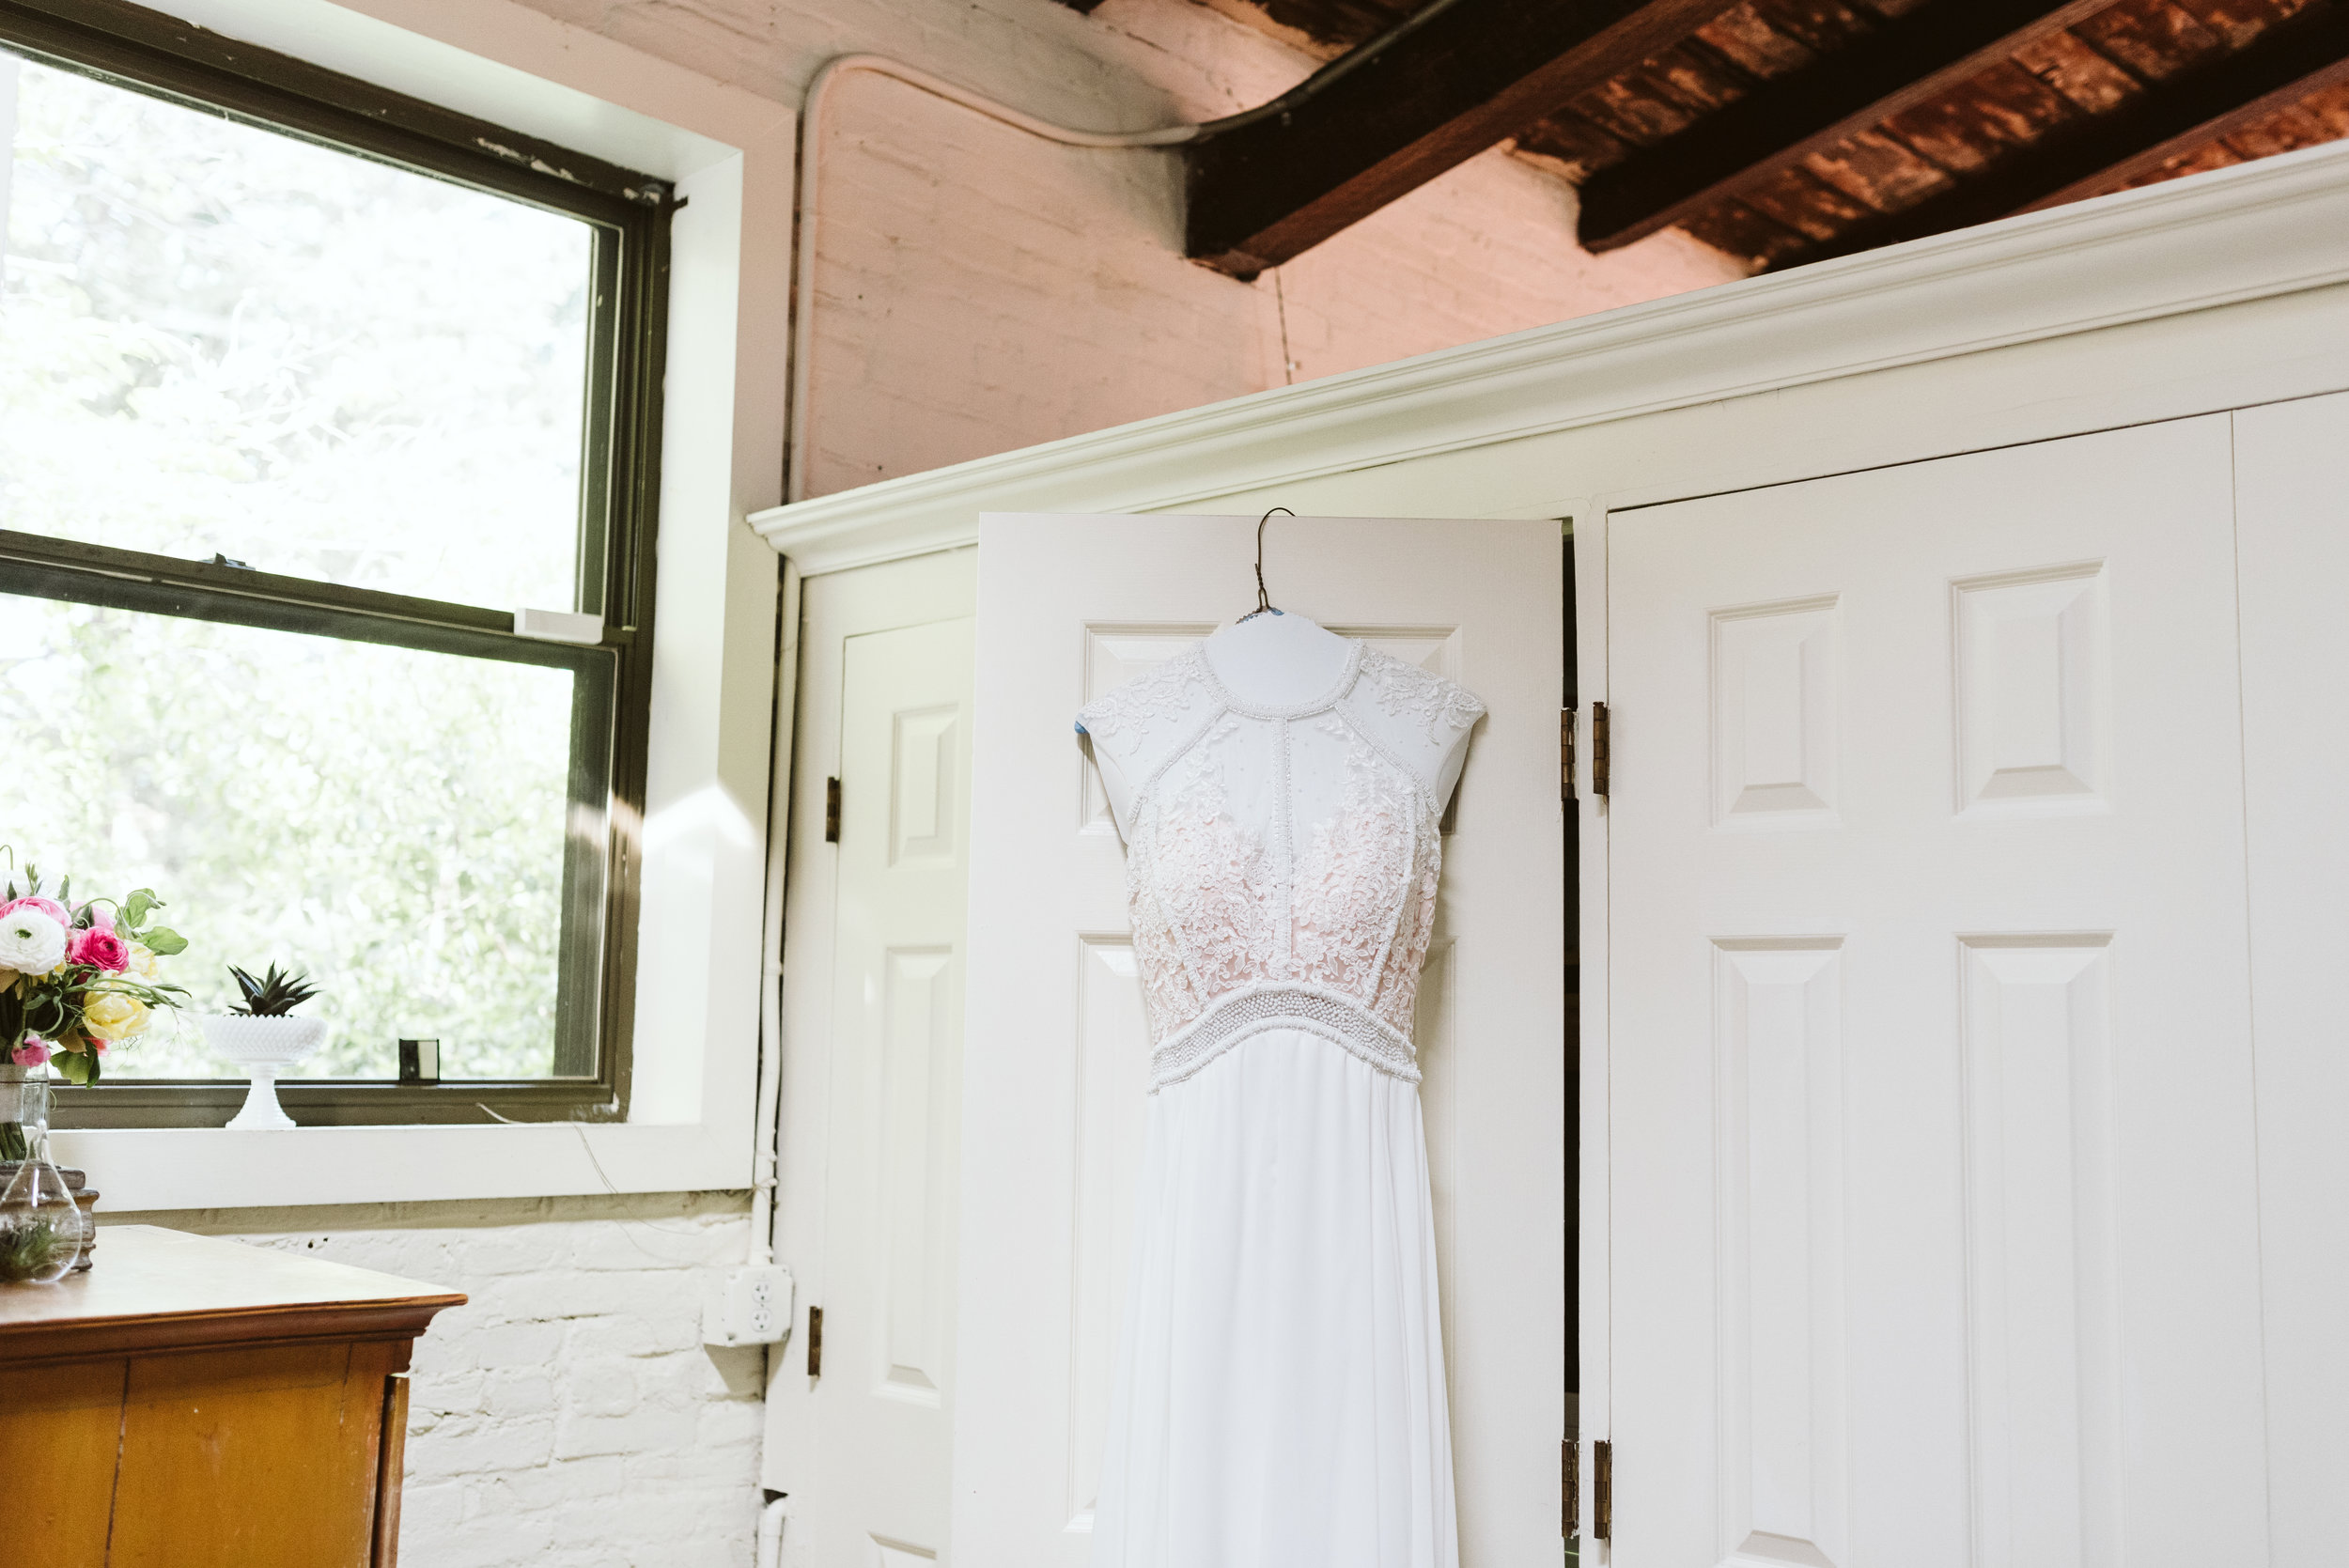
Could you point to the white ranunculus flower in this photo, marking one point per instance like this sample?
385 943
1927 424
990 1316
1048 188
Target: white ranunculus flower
30 942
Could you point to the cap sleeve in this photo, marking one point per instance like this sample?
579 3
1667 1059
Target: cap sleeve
1135 724
1421 716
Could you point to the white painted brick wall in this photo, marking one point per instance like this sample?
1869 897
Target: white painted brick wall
979 290
567 1415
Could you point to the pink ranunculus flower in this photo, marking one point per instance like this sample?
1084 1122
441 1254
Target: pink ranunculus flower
34 1053
49 906
100 948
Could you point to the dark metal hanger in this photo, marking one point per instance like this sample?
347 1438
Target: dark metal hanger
1264 605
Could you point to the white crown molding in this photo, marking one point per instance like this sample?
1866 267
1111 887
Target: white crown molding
2257 230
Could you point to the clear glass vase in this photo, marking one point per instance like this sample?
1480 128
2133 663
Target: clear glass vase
42 1230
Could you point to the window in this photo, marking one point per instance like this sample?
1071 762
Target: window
305 389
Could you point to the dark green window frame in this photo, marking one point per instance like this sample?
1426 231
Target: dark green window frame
629 214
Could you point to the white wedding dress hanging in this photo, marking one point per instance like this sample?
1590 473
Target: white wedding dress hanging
1279 1393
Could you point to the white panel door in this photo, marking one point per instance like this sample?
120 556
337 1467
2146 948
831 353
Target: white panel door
860 1430
2292 467
1933 1209
1055 1067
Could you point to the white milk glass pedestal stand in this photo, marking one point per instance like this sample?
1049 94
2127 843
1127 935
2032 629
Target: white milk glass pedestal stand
263 1045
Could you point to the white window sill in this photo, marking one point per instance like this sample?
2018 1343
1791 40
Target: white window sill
144 1169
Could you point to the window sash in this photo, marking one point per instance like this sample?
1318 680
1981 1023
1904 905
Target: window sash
628 212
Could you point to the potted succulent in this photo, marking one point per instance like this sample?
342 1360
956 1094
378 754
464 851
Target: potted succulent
263 1036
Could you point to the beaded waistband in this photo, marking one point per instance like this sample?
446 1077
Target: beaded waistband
1252 1009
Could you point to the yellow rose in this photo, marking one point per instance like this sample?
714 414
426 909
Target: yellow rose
142 965
112 1016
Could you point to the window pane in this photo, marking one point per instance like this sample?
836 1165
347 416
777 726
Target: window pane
391 821
215 338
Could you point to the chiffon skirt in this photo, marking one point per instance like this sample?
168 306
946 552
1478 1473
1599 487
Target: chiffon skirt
1279 1393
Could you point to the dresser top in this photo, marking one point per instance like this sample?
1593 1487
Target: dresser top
155 1290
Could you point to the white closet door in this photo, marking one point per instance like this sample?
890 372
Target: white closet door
2292 467
1055 1067
872 1052
1935 1219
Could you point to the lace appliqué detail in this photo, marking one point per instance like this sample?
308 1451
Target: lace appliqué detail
1252 1011
1159 693
1406 691
1294 854
1356 870
1203 888
1397 997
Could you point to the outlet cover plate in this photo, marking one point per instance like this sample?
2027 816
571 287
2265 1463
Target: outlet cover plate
751 1306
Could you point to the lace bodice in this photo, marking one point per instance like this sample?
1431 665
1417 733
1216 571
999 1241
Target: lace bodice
1281 864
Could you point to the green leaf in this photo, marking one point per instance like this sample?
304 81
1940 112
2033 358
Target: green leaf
163 941
135 910
78 1066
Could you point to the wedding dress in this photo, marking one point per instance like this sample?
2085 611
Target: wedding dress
1280 1394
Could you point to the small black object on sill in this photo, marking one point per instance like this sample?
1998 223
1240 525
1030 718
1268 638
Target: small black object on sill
420 1062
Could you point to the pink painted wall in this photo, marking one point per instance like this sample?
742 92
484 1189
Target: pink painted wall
979 290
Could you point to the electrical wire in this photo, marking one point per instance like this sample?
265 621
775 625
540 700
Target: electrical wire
819 96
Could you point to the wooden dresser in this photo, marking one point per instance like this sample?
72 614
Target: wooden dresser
192 1403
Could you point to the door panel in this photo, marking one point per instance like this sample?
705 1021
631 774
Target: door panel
1057 1049
896 1050
867 1205
1933 1213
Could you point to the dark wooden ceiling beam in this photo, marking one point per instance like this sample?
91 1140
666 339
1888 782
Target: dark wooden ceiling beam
2100 153
1907 60
1467 74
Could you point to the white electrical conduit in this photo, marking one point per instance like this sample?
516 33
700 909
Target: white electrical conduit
770 1532
811 150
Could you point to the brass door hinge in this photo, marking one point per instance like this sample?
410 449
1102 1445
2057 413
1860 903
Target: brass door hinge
831 811
1565 754
1567 1488
1602 1490
1599 771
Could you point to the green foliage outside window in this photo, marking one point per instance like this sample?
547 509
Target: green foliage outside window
219 339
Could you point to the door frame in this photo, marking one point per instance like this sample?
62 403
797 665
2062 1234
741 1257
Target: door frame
1586 545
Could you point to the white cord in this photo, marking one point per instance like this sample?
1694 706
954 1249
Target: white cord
811 148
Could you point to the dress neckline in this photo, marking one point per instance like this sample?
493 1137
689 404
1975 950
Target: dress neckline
1345 683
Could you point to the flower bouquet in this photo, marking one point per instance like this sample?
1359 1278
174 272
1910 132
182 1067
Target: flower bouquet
78 978
74 979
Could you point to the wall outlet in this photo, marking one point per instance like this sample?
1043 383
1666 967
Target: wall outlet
752 1306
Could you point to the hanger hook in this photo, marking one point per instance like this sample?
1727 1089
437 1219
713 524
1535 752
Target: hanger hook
1263 602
